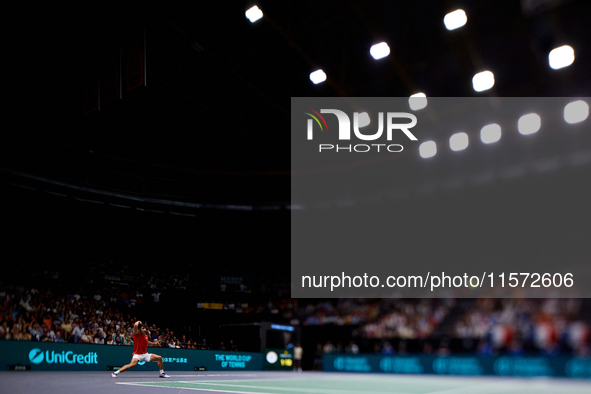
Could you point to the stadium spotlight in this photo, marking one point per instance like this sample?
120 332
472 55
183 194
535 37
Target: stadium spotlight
576 112
561 57
253 14
318 76
458 141
455 19
427 149
379 51
490 133
417 101
529 124
483 81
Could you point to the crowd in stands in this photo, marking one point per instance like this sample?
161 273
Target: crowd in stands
103 312
518 325
383 318
237 293
407 319
40 315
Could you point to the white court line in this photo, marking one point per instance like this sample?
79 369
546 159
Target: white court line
218 381
191 388
271 388
292 389
228 374
233 380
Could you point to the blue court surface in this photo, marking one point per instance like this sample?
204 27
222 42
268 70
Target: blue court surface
278 382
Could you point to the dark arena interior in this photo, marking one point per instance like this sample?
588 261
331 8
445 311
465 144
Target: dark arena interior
145 175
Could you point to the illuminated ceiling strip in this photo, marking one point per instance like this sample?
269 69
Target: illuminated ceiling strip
139 199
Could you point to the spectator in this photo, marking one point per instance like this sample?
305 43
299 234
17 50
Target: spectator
156 296
37 332
443 348
86 338
67 327
13 334
328 348
352 348
99 339
50 334
127 341
77 332
388 349
47 321
24 335
4 329
318 357
297 357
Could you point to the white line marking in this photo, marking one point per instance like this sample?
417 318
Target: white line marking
231 380
307 390
271 388
198 376
190 388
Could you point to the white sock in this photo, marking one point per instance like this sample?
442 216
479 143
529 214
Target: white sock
161 372
116 372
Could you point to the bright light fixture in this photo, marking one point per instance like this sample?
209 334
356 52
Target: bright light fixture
483 81
458 141
380 50
254 14
490 133
417 101
576 112
561 57
529 124
455 19
428 149
318 76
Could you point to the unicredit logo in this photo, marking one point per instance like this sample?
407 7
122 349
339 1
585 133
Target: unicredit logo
36 356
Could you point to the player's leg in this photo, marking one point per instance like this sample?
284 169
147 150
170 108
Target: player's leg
158 359
132 364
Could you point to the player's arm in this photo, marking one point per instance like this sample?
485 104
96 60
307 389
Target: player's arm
155 343
136 329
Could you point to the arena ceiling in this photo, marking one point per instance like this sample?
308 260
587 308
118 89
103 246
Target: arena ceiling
215 102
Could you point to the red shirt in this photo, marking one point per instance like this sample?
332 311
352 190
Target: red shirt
140 343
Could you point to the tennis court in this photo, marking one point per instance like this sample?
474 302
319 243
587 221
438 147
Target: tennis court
279 382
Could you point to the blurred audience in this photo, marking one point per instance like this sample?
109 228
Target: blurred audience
549 326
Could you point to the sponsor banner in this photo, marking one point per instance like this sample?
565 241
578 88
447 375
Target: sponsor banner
556 366
47 356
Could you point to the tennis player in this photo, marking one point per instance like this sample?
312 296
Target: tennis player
140 351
